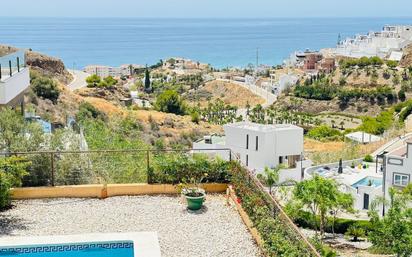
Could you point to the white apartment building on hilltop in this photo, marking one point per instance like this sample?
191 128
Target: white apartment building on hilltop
387 43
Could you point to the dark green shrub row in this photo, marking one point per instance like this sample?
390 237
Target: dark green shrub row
361 62
323 90
182 168
306 219
279 239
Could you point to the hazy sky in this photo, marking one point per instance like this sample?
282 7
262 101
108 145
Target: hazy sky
207 8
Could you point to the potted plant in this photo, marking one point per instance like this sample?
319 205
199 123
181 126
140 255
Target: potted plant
195 197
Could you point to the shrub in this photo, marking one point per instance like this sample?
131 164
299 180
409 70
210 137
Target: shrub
96 81
170 101
4 190
355 232
195 117
12 171
182 168
405 113
402 95
305 219
93 80
368 158
45 88
392 64
323 132
88 111
378 124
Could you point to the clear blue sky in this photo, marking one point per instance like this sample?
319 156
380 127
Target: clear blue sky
207 8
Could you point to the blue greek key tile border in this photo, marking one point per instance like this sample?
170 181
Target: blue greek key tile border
65 247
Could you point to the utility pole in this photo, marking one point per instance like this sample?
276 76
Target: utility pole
257 57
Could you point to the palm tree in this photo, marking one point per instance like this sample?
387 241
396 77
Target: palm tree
271 176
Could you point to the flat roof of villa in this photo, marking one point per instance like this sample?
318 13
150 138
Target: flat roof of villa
262 127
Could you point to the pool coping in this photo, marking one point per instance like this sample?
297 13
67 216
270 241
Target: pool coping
148 242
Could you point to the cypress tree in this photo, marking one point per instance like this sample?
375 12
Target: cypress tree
147 88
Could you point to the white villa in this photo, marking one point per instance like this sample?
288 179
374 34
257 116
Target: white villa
398 168
362 180
388 43
370 181
14 80
258 146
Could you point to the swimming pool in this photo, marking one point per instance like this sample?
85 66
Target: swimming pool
141 244
98 249
368 181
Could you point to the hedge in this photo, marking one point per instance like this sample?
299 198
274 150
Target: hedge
305 219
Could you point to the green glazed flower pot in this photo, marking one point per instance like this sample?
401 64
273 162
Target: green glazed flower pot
195 203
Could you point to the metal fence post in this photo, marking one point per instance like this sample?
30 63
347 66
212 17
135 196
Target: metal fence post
149 179
18 64
0 71
52 167
11 71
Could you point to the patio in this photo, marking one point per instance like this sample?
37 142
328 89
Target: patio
217 230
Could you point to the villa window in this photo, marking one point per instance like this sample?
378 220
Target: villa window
400 179
257 143
247 141
247 160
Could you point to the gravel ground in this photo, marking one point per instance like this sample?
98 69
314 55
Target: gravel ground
216 230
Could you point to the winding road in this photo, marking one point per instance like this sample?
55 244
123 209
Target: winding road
79 79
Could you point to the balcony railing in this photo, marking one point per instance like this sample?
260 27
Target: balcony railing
11 64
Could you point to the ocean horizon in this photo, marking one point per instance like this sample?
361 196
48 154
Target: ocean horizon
219 42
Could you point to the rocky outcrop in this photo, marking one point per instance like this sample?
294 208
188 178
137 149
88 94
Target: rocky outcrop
113 94
406 60
46 65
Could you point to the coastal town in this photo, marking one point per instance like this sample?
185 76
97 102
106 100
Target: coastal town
308 158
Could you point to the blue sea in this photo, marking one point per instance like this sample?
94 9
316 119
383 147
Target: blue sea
220 42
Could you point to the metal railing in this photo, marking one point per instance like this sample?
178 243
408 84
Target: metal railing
53 168
11 64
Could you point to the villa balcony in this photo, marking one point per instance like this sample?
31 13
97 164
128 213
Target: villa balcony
14 79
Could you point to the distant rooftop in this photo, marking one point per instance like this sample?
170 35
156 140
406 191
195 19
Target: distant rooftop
262 127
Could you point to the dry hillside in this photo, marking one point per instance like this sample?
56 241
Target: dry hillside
229 93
